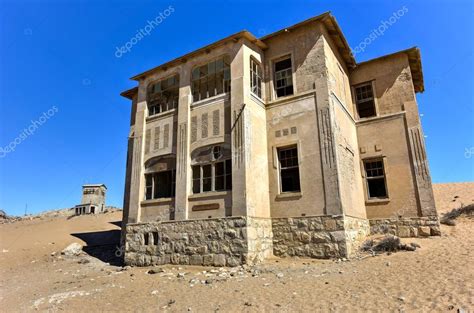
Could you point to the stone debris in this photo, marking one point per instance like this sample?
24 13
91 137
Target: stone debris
74 249
388 243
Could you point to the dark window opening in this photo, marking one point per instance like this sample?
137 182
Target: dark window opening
212 177
160 185
375 175
289 169
155 238
255 78
211 79
283 78
365 100
163 95
145 239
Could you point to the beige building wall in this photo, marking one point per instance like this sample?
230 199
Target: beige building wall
320 119
396 135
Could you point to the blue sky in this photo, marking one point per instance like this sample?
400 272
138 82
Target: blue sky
59 58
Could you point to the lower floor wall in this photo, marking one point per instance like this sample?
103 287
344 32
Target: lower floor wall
234 241
210 242
407 226
319 236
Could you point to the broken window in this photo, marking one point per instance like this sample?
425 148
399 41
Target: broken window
160 185
283 78
255 78
375 176
216 176
289 169
163 95
211 79
365 102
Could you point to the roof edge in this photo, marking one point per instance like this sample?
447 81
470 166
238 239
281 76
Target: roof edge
414 60
242 34
129 93
334 31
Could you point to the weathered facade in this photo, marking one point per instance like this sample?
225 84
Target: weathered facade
93 199
281 145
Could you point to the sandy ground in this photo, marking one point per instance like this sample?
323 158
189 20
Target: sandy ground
438 277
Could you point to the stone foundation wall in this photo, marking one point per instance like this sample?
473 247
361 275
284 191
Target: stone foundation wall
357 229
407 226
313 237
212 242
234 241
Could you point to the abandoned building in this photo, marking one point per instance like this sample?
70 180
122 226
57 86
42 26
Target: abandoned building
93 199
282 145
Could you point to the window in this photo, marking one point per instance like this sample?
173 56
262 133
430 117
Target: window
365 100
211 79
163 95
212 177
289 169
160 185
255 78
375 175
283 78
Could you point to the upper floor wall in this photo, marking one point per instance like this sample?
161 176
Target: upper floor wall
391 81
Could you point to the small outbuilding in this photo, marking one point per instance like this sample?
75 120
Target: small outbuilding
93 199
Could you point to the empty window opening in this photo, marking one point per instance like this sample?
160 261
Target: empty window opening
365 100
163 95
283 78
211 79
255 78
155 238
145 239
375 176
289 169
160 185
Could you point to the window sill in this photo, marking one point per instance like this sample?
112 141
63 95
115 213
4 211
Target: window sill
288 195
377 201
160 115
223 96
209 194
157 201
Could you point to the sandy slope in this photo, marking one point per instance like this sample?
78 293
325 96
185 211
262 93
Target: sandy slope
437 277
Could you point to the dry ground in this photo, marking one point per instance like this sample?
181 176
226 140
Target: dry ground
437 277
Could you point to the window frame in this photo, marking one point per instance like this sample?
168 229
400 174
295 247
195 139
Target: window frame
150 95
280 168
370 83
367 178
226 83
258 76
226 173
274 74
152 187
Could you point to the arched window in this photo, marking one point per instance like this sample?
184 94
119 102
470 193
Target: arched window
160 178
211 168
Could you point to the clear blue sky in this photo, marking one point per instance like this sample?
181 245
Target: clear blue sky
60 56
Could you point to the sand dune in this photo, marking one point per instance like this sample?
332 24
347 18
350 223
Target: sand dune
438 277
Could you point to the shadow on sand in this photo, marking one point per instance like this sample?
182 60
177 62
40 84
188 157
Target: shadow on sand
103 245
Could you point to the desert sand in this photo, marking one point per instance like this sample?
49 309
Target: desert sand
35 277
